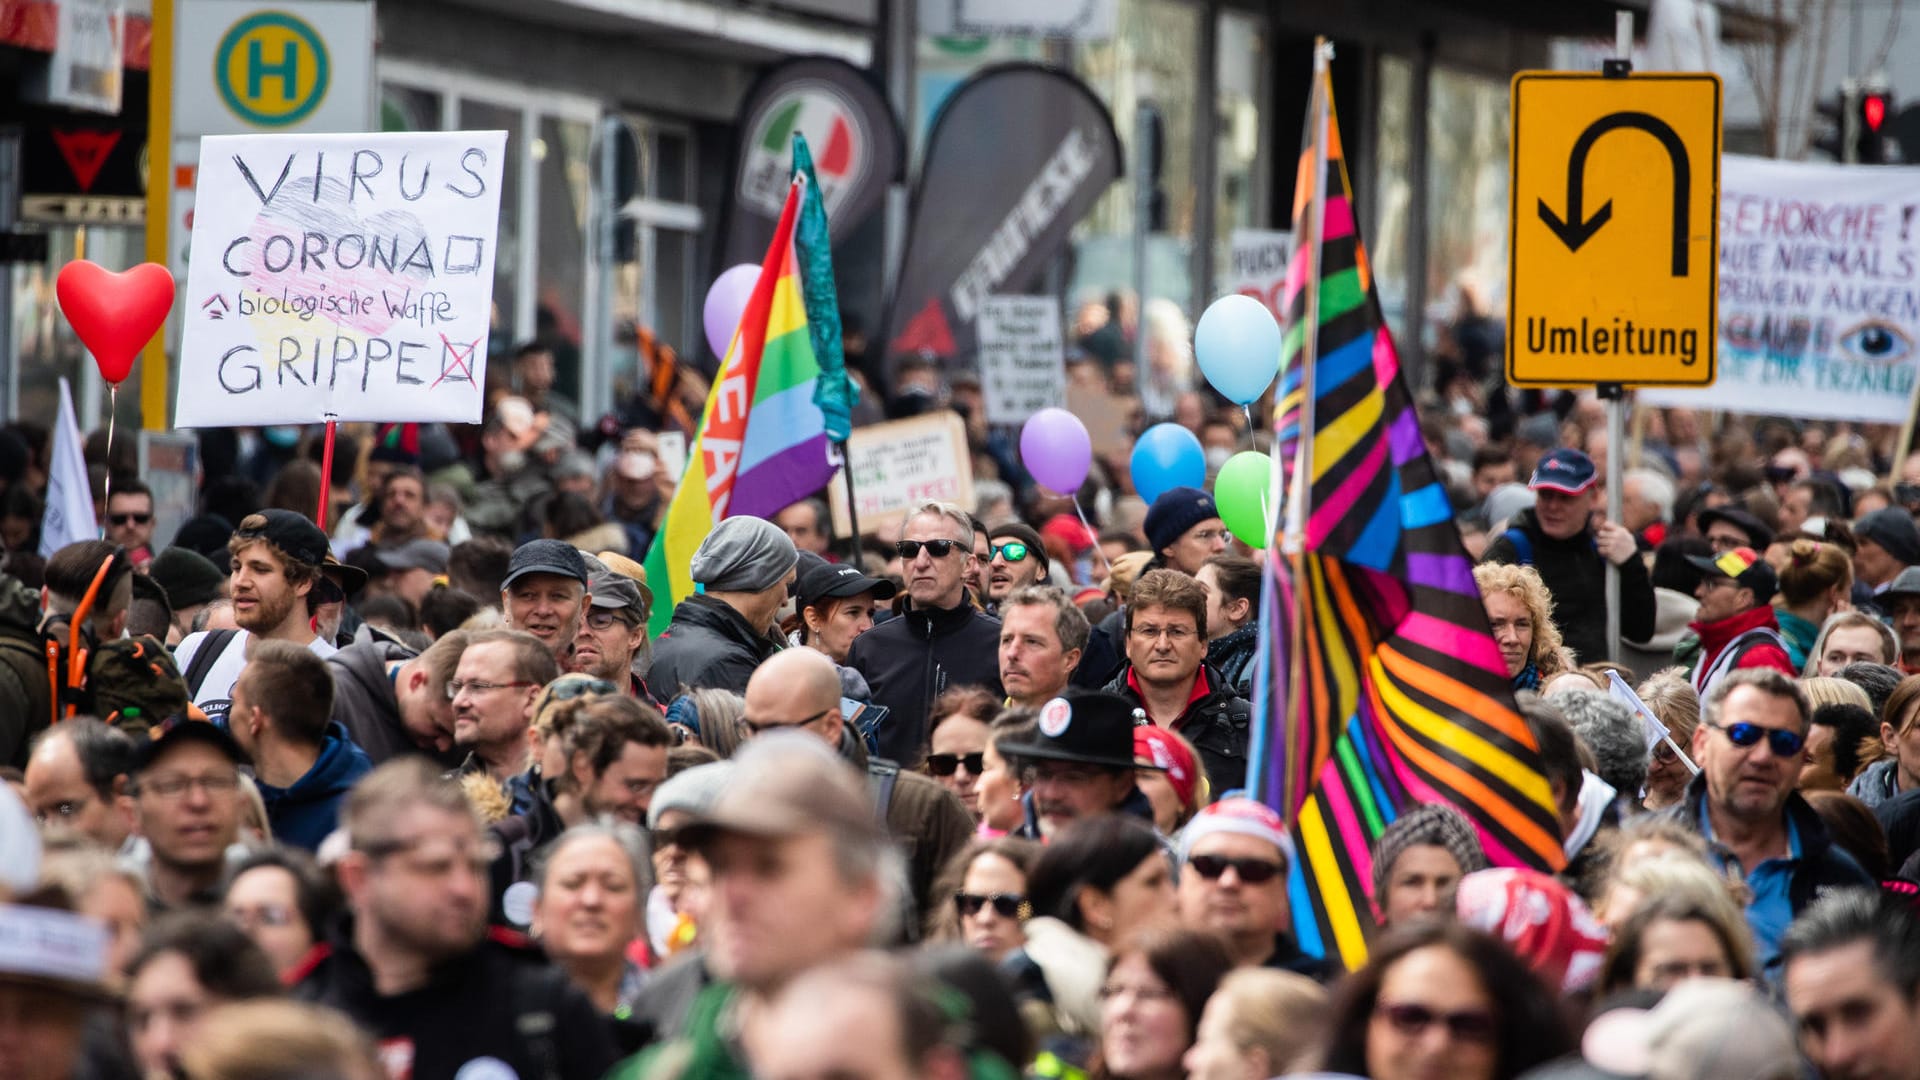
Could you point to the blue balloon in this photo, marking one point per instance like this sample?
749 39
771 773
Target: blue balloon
1166 457
1238 346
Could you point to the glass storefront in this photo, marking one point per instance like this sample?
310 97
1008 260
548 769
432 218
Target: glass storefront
1466 188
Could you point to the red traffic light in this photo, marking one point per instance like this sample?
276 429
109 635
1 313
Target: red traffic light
1873 109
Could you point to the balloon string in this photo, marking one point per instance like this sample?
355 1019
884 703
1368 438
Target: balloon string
1085 524
1248 410
106 487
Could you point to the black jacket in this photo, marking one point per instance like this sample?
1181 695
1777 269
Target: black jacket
364 702
708 644
500 1000
1575 573
26 698
912 659
1217 725
1105 654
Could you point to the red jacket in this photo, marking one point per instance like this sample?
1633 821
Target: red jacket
1716 636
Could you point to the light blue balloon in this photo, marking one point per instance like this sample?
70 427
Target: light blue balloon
1238 346
1166 457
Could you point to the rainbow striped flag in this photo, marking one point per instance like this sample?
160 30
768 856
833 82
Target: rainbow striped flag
763 442
1379 685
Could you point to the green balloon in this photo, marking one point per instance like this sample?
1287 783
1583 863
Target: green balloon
1240 490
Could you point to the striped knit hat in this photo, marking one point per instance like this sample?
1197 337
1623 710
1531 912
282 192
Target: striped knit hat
1431 824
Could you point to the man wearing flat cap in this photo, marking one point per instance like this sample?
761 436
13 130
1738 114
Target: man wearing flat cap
546 594
615 629
721 633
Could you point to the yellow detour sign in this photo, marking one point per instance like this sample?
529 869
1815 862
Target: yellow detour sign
1614 229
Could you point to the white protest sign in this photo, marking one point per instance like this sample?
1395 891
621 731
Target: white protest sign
900 464
1022 357
345 277
1258 267
1819 306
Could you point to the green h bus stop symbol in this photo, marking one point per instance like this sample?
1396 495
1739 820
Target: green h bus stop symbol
271 69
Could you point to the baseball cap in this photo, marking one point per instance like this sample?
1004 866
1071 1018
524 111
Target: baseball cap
1703 1027
555 557
819 580
420 554
615 591
1090 727
1745 567
177 730
1565 470
49 949
293 533
785 783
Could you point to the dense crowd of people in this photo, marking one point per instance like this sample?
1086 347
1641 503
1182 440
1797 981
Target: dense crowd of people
421 795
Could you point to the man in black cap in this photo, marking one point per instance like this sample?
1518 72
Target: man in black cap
1016 559
1735 622
1184 529
186 803
277 555
1888 542
546 594
1079 763
614 631
1557 538
718 636
1729 527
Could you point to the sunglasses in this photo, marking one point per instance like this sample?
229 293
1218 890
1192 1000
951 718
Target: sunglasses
939 549
129 519
1251 871
945 764
1005 905
1784 744
1014 551
1410 1019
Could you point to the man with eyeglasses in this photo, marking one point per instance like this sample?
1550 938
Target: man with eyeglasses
938 642
129 519
1015 559
1729 527
414 965
1559 538
303 762
719 635
1753 727
1184 529
1233 883
799 690
614 630
1166 675
1735 622
186 803
493 691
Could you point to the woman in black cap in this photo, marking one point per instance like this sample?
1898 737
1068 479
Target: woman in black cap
834 603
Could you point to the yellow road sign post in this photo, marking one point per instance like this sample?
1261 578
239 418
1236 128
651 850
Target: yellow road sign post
1614 229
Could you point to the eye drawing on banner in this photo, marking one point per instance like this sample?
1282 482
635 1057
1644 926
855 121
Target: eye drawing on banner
342 277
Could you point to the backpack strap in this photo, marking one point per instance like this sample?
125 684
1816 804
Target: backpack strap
1522 546
207 655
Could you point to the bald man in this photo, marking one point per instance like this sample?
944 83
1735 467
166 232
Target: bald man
800 689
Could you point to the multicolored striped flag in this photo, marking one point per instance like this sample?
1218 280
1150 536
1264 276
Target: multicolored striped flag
1380 686
763 442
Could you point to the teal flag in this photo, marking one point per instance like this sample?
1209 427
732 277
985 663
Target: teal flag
833 391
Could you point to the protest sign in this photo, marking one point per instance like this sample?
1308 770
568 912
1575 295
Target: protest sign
1819 306
1022 357
899 465
1258 265
340 277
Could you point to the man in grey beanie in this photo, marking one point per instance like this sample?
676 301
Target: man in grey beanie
723 631
1418 863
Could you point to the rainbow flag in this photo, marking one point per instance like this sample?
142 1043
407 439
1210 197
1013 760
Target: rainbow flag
1379 685
763 442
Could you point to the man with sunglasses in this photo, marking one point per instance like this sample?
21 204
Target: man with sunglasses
1735 623
129 519
1233 883
1753 727
938 642
1015 559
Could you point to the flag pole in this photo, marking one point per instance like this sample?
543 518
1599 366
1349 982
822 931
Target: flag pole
326 478
853 507
1298 509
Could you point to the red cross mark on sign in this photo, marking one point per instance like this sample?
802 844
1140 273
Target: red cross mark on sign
455 358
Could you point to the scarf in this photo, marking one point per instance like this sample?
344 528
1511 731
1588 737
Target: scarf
1529 678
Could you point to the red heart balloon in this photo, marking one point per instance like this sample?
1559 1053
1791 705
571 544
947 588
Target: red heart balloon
114 314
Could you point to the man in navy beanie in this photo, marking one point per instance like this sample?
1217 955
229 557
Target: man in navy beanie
1184 530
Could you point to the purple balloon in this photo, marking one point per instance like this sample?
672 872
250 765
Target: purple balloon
726 301
1056 450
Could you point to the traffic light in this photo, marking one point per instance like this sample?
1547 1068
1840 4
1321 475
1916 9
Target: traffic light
1841 112
1875 109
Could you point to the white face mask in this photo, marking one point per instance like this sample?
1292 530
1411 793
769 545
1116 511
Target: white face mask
513 460
1217 457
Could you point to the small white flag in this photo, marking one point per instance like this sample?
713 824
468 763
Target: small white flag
1618 689
69 516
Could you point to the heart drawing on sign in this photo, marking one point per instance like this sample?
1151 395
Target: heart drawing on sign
115 314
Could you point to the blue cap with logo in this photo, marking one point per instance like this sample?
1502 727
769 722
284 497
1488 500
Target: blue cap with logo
1565 470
